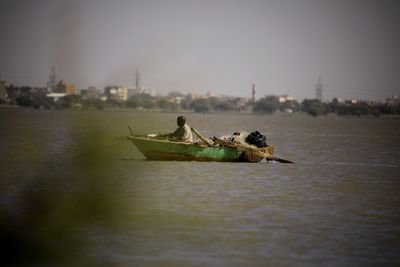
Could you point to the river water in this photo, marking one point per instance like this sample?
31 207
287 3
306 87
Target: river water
73 194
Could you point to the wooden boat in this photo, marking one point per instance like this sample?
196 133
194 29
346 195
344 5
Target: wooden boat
154 148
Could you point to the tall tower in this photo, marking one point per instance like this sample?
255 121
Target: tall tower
318 89
253 93
52 83
137 80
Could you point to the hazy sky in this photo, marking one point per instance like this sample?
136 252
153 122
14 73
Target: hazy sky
200 46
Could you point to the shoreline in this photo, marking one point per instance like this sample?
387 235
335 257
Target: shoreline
187 111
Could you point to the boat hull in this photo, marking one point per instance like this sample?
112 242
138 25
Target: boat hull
159 149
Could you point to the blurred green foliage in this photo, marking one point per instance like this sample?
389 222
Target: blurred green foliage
268 104
45 213
314 107
35 100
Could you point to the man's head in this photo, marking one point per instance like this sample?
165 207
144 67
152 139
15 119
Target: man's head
181 121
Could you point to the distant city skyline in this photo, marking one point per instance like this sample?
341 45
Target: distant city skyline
199 46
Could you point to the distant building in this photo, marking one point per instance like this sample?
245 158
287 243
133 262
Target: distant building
116 93
91 92
65 87
351 101
392 100
176 97
197 96
285 98
210 94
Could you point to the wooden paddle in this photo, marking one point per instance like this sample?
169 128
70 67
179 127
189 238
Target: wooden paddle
202 138
278 159
130 130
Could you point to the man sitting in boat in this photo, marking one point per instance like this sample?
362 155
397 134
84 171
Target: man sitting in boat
183 131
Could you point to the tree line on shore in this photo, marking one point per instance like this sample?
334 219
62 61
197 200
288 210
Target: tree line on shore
266 105
314 107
